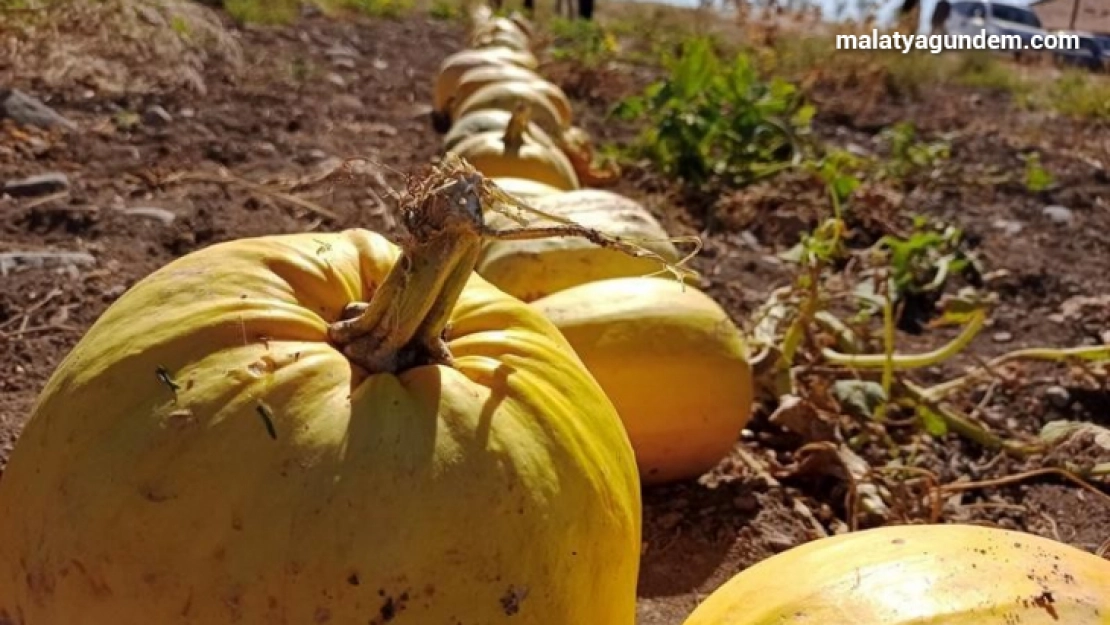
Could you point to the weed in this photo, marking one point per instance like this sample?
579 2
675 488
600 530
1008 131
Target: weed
1078 94
262 12
585 42
444 10
908 155
1037 178
710 122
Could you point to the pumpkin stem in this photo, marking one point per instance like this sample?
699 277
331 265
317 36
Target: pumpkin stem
404 324
514 130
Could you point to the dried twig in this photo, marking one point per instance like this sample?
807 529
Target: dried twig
38 329
1019 477
32 308
253 187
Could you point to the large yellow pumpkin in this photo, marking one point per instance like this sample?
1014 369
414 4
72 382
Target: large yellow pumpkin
919 575
236 441
672 361
531 269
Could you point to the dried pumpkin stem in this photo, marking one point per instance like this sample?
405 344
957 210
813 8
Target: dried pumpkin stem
404 323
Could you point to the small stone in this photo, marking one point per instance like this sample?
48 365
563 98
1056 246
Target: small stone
43 184
151 212
38 147
344 62
1002 337
347 103
1058 214
29 111
187 113
778 541
340 50
336 80
1057 396
314 156
156 116
1007 226
380 64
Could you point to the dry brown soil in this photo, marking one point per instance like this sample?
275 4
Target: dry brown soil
296 107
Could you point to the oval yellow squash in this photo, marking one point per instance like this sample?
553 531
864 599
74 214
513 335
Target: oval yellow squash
454 66
479 77
241 438
574 142
491 155
672 362
486 120
549 106
919 575
500 35
524 189
531 269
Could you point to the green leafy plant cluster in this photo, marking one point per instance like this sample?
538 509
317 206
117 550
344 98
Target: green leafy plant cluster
908 155
587 43
715 122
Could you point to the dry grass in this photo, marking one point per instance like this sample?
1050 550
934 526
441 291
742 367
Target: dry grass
94 44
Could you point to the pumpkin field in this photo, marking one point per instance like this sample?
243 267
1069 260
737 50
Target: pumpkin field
368 311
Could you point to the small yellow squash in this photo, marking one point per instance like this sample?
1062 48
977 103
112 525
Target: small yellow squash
479 77
491 154
672 362
531 269
489 120
500 31
918 575
323 428
454 66
575 143
550 108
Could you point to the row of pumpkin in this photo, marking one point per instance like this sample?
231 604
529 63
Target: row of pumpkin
668 356
676 368
331 428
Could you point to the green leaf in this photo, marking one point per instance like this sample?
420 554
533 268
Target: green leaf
861 398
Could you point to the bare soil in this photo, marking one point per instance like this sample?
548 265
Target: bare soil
328 89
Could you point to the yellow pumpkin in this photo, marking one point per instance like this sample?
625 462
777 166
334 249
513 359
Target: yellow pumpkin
236 441
575 143
550 107
531 269
490 154
524 189
487 120
454 66
500 31
672 362
479 77
523 23
918 574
